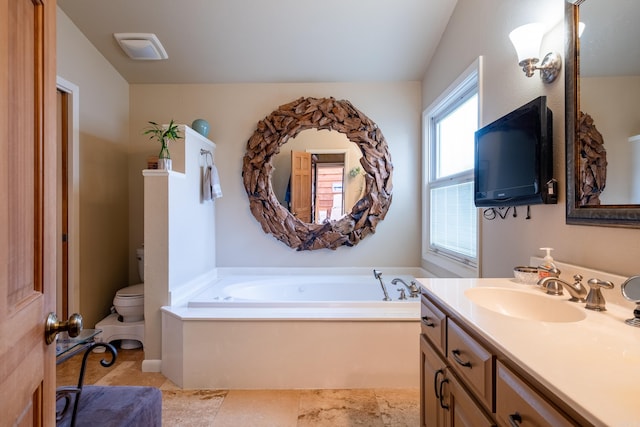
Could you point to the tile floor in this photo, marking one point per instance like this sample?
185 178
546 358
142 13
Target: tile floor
254 408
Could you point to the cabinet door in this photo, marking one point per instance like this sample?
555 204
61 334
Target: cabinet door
433 411
517 404
464 410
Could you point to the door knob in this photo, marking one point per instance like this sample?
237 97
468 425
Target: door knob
53 326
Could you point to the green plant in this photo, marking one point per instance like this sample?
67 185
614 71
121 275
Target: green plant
163 135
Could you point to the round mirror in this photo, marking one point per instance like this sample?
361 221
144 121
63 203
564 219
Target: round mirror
293 218
631 289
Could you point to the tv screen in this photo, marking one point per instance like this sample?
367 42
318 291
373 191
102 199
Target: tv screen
514 158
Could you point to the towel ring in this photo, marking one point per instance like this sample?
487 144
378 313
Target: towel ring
208 156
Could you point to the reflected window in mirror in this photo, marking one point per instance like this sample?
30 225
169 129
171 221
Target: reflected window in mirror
603 113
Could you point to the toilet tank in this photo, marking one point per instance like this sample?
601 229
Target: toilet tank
140 257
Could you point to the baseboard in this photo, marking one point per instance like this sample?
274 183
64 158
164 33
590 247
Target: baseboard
151 365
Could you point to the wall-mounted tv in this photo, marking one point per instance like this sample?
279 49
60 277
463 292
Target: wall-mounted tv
514 158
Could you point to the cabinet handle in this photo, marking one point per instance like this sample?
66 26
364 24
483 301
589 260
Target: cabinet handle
515 420
435 382
442 405
456 357
427 322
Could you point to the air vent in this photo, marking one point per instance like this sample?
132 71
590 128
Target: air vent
139 46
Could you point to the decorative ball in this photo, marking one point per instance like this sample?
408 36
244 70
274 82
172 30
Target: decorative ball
201 126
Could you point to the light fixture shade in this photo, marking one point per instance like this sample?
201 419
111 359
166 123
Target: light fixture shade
526 39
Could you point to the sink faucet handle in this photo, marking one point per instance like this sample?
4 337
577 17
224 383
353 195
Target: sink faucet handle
597 283
595 299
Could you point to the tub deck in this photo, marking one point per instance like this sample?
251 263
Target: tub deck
234 336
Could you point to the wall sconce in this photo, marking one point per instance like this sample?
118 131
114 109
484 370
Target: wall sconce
527 39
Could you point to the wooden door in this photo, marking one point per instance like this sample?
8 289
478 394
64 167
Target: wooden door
27 210
62 206
301 185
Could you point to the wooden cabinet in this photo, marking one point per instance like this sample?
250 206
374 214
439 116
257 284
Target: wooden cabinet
519 405
433 411
473 362
465 381
433 324
464 410
444 400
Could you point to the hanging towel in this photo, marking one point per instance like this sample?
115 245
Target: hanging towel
216 189
211 184
206 184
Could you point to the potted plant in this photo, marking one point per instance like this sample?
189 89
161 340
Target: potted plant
163 135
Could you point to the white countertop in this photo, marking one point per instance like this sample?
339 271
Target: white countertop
593 364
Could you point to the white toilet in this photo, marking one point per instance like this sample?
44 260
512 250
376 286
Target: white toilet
127 323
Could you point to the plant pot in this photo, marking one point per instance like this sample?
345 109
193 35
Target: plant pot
164 164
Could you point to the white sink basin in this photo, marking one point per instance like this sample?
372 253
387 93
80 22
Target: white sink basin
526 305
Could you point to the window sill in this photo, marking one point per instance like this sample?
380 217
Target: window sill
445 266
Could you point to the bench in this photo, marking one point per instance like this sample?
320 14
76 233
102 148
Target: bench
107 406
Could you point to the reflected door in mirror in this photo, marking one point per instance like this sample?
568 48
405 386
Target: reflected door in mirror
301 185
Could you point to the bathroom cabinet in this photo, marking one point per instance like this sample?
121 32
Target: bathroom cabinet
444 401
467 381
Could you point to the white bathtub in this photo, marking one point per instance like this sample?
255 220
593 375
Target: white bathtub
293 332
356 291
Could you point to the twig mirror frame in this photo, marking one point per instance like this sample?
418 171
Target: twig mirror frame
288 121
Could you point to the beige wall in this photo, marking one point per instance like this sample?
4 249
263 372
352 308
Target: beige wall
482 28
103 184
233 112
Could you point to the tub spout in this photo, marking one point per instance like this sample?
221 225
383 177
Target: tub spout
414 292
378 275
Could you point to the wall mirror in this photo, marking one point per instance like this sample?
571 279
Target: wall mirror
269 163
602 84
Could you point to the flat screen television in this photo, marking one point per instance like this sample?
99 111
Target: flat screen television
514 158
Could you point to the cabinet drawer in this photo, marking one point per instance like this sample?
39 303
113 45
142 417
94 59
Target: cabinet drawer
518 404
472 362
433 324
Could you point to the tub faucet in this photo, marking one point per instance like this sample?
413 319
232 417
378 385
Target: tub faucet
414 292
378 275
553 286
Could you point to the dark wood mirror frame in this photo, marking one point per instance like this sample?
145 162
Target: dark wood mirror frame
598 215
285 123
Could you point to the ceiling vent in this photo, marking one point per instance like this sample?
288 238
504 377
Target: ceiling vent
145 47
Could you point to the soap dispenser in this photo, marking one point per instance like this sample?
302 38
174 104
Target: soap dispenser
547 268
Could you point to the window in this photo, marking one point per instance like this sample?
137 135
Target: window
450 218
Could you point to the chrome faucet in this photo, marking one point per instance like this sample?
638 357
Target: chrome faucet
553 286
595 299
378 275
414 291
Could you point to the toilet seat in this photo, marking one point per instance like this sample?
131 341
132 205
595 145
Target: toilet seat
131 291
129 303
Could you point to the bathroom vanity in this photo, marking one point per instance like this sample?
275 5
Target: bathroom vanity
497 352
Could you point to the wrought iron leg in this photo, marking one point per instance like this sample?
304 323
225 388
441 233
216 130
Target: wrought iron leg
70 392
